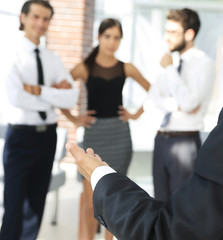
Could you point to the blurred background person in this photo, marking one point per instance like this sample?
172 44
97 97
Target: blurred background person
184 93
106 121
33 77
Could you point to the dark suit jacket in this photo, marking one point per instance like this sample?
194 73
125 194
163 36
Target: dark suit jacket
194 212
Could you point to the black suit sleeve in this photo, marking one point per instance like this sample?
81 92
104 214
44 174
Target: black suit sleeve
195 212
121 206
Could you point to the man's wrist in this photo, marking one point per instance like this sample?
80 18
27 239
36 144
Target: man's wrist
98 173
36 90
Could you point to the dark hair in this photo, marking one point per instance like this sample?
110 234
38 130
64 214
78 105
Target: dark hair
26 8
187 17
105 24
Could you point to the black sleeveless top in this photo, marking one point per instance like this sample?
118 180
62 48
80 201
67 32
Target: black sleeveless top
104 87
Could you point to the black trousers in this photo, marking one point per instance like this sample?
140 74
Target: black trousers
173 162
28 158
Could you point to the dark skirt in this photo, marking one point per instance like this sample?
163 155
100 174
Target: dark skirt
110 138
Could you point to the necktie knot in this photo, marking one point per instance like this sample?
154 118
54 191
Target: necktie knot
179 68
36 50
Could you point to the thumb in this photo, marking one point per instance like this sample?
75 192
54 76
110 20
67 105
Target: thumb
75 151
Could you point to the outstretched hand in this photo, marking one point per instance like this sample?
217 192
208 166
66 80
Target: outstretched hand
87 161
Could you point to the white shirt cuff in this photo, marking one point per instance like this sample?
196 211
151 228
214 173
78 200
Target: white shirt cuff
98 173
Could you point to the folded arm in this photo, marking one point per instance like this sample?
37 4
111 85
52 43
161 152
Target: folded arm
191 94
18 96
61 98
61 95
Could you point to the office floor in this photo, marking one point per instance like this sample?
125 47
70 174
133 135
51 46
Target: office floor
67 226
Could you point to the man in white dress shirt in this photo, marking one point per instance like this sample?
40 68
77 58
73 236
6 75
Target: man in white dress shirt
184 93
36 84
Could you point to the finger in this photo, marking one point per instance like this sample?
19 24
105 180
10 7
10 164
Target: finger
98 157
123 118
92 121
91 112
67 85
89 121
90 151
90 118
75 151
87 125
120 112
104 163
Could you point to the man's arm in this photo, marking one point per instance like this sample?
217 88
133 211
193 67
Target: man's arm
124 208
189 95
61 95
17 94
62 92
114 198
193 212
87 161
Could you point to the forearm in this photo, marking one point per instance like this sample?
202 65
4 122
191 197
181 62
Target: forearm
189 95
135 211
20 97
69 116
139 113
24 100
61 98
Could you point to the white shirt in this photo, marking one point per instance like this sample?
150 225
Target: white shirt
187 90
98 173
23 107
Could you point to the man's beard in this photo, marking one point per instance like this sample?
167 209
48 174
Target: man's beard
180 46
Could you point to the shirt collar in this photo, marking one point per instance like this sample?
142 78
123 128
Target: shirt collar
29 45
186 56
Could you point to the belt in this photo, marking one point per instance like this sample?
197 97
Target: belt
34 128
178 134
